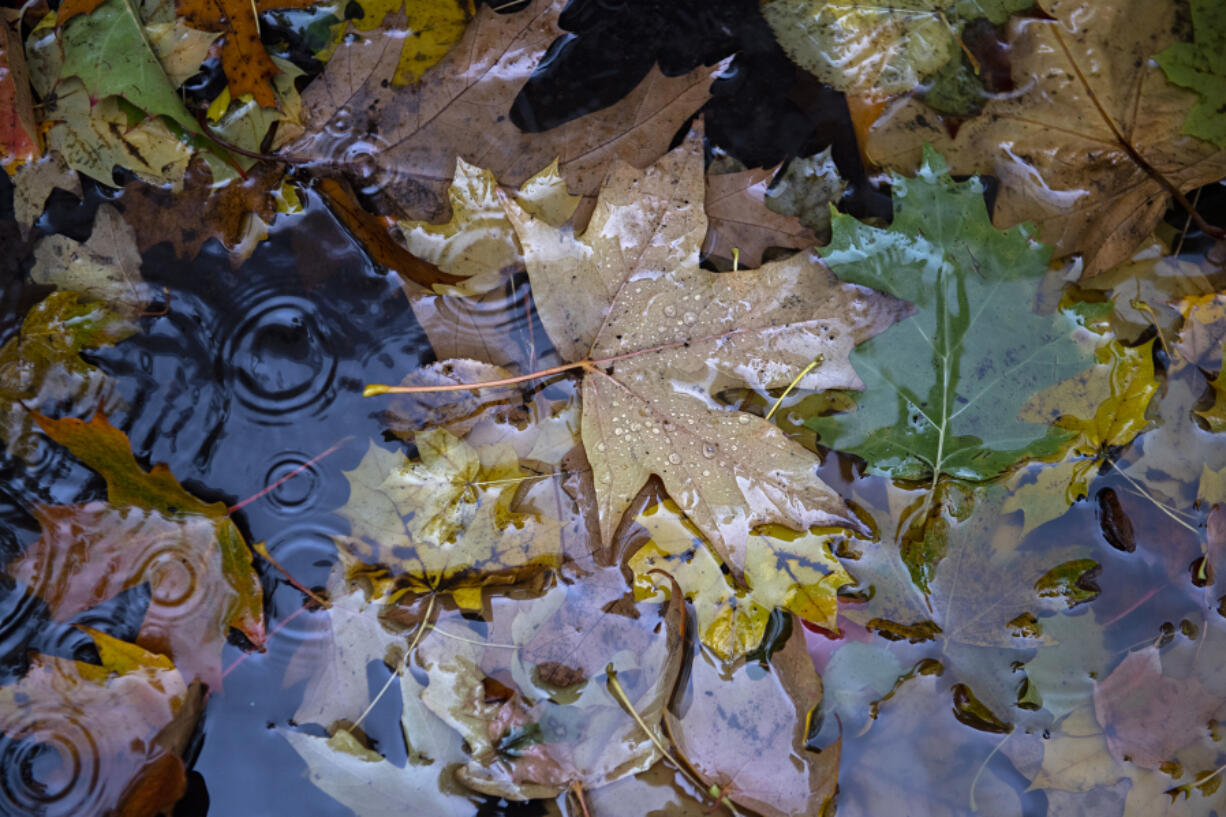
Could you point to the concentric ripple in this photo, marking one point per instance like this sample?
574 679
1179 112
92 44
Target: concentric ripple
279 360
294 484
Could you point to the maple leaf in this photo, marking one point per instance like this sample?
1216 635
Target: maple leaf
877 47
445 524
1201 66
105 268
740 220
104 719
432 28
944 387
734 731
783 569
203 210
1203 330
1065 148
248 67
658 337
561 724
152 530
409 138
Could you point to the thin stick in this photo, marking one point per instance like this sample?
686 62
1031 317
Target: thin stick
422 626
819 360
336 446
262 549
375 389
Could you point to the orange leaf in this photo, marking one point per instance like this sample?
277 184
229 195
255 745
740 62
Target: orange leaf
247 65
71 8
19 136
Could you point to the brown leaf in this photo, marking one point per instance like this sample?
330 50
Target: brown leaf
745 734
659 338
407 139
1052 146
33 184
739 218
247 65
198 212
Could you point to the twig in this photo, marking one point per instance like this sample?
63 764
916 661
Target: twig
422 626
819 360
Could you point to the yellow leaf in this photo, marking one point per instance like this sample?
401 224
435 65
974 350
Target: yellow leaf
434 26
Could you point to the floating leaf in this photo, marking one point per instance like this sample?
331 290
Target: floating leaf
943 388
740 220
105 268
783 570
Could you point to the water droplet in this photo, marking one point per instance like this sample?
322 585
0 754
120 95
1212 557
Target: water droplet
743 419
635 426
689 318
601 447
670 310
709 449
618 431
655 429
706 473
674 458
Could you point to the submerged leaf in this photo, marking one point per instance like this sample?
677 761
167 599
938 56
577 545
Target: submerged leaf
783 570
944 387
1201 66
445 524
662 337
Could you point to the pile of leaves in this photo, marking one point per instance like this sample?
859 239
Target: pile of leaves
801 502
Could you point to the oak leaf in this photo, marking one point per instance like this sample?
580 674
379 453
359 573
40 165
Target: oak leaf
783 570
444 524
408 139
247 66
1064 147
151 530
944 387
736 725
740 219
659 337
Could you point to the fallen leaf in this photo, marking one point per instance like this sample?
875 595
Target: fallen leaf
41 366
248 67
556 728
658 337
109 51
807 188
1201 66
101 721
245 123
744 732
105 268
478 243
943 389
33 184
1062 164
201 211
151 530
444 524
20 138
783 570
432 28
739 218
1204 329
407 140
877 48
1105 405
457 412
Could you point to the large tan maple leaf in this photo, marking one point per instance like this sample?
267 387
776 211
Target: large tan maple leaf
407 139
659 338
1065 145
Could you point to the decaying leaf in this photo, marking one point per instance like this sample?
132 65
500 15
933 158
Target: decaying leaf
943 389
1201 66
231 213
105 268
1062 163
560 724
33 184
876 47
808 187
740 220
744 731
102 722
407 139
153 531
783 569
248 67
445 524
41 366
659 337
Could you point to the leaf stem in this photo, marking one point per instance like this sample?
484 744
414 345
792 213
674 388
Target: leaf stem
375 389
422 626
817 361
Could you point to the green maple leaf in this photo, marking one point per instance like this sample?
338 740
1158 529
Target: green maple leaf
109 50
1201 66
943 388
